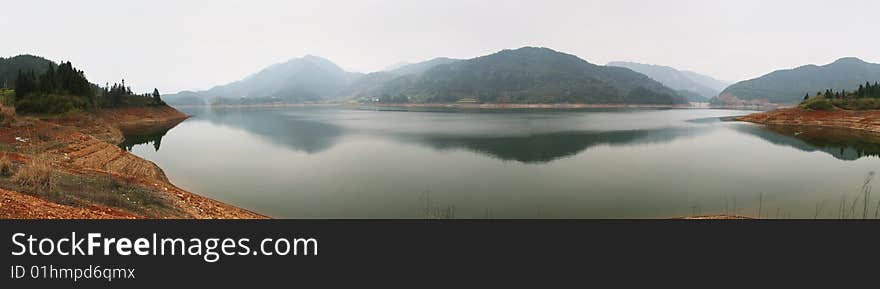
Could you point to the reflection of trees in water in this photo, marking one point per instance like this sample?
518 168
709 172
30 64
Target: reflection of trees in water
544 148
153 137
841 143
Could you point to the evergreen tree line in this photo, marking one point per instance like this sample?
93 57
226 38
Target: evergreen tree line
64 80
866 90
66 88
119 95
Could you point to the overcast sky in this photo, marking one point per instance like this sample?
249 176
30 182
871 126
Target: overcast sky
176 45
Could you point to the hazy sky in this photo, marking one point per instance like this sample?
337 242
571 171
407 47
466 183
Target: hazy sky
175 45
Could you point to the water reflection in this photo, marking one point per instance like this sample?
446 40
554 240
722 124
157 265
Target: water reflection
332 163
842 144
149 136
544 148
313 131
291 130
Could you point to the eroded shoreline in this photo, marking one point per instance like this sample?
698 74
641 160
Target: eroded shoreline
867 121
86 175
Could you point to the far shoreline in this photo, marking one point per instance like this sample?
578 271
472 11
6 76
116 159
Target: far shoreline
453 105
487 106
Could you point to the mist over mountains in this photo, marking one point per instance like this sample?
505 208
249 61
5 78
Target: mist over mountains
525 75
695 86
305 79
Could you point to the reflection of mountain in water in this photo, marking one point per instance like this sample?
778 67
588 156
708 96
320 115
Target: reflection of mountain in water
544 148
842 144
308 132
292 131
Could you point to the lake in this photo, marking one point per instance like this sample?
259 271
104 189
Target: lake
589 163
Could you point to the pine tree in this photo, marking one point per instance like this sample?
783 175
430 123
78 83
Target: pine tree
25 84
156 97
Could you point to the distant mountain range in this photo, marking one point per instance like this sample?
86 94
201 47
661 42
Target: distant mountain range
695 86
789 86
525 75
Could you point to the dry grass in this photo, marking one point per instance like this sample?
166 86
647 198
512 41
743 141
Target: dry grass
7 168
36 175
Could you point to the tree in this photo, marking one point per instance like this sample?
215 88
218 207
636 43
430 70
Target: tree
156 97
25 84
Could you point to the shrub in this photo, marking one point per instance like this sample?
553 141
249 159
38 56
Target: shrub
50 104
6 167
817 103
7 97
857 103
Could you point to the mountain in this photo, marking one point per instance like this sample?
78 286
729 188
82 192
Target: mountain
705 80
421 67
309 78
790 86
375 83
695 86
527 75
9 67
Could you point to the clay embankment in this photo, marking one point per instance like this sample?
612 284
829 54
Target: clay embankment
86 175
860 120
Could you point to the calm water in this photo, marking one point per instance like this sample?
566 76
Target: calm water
360 163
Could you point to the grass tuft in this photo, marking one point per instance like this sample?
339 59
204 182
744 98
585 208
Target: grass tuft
36 175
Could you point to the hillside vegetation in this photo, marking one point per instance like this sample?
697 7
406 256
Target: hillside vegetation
9 68
789 86
62 88
866 97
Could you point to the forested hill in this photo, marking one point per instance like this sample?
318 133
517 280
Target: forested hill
9 67
529 75
790 86
374 84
